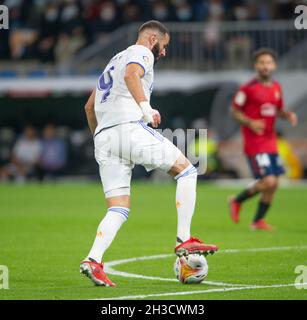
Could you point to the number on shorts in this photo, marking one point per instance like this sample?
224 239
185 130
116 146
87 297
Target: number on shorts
105 83
263 160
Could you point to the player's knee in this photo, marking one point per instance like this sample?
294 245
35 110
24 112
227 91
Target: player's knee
270 183
181 164
118 197
189 172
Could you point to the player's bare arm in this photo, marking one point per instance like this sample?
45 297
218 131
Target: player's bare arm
90 112
255 125
132 78
288 115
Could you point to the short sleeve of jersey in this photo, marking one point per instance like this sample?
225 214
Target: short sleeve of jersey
240 98
141 56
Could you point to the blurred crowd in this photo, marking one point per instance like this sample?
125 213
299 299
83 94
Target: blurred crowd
47 154
55 30
32 156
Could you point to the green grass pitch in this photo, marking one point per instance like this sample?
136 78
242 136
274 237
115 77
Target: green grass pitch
46 230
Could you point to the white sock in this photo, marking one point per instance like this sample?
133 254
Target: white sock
185 201
107 231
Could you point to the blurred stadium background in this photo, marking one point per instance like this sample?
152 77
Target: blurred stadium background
53 52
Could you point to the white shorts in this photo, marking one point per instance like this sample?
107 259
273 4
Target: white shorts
119 148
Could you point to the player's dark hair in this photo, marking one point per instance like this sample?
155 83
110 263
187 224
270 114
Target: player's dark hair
262 51
154 24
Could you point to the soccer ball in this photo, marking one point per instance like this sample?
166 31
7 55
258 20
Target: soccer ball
191 269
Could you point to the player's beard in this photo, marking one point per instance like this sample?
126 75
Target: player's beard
265 77
156 52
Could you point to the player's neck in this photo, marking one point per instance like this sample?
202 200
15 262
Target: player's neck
143 42
266 82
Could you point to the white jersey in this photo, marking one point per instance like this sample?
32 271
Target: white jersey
114 103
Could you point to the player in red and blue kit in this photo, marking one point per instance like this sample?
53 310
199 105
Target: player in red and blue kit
256 106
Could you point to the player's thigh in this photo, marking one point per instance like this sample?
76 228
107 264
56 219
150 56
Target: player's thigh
277 164
266 167
152 150
260 165
116 178
115 172
107 144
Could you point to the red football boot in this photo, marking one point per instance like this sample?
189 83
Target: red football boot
194 245
234 209
94 271
261 225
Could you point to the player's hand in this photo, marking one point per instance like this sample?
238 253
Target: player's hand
150 115
257 126
156 118
292 118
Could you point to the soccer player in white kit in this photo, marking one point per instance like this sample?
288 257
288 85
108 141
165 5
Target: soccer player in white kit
118 112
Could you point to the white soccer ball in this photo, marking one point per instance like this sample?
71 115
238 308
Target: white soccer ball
191 269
